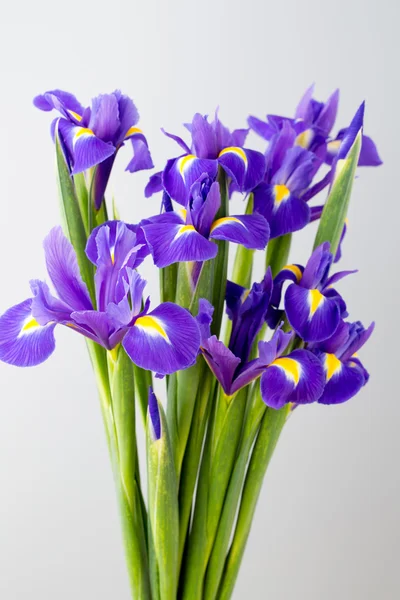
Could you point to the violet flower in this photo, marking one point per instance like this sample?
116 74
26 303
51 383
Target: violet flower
163 340
92 136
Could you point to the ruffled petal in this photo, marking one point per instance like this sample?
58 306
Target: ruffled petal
176 242
104 117
62 266
297 378
252 231
180 174
203 138
164 341
23 342
313 316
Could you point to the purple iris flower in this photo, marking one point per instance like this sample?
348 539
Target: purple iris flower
289 172
295 378
163 340
345 375
313 307
313 123
187 235
154 414
92 136
213 145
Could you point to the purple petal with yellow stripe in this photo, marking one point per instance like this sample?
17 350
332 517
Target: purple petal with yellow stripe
23 342
343 379
164 340
284 211
172 241
313 316
141 160
86 149
252 231
180 174
297 378
64 102
245 167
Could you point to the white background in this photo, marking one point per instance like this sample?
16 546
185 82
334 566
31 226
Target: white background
327 524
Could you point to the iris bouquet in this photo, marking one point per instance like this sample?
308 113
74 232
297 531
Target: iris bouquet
235 357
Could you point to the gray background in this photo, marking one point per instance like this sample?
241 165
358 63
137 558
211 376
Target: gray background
327 524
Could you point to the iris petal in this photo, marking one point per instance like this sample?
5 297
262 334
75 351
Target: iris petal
313 316
252 231
23 342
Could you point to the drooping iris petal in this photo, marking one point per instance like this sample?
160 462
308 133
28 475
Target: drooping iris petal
221 360
343 379
154 185
62 266
369 156
164 340
64 102
172 242
23 342
141 160
46 308
86 149
245 167
313 316
297 378
180 174
252 231
284 212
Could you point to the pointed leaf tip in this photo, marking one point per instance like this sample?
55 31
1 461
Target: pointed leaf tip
154 414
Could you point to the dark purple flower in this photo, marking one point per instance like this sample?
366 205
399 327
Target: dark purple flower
313 307
345 375
290 170
92 136
185 236
295 378
154 414
213 145
163 340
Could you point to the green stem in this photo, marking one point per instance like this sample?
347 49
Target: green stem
243 265
221 444
278 253
270 430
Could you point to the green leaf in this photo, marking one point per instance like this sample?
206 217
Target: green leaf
163 508
243 265
168 279
335 210
278 253
270 430
219 454
72 219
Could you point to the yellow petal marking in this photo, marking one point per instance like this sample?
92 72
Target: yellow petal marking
291 368
333 147
83 131
315 300
224 220
184 229
294 269
182 213
235 150
133 131
112 254
305 138
184 162
281 193
31 323
75 115
152 324
332 366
